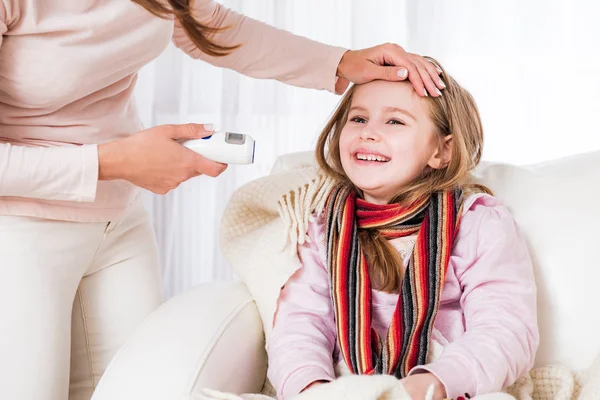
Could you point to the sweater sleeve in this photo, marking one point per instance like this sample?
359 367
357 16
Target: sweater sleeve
302 342
265 52
61 173
499 307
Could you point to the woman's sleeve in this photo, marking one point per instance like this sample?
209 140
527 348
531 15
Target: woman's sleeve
265 52
58 173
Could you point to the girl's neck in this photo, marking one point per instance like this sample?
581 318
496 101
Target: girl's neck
375 200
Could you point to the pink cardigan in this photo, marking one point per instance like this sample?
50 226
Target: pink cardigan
67 73
487 318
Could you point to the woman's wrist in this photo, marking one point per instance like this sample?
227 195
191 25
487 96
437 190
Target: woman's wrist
109 161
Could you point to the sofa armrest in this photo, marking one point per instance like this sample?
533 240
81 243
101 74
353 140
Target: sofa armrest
210 336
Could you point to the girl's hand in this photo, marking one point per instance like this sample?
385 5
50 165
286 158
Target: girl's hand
417 386
154 160
392 63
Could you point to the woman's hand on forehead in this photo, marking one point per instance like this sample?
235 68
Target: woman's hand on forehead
392 63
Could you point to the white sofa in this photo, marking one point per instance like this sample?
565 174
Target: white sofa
212 335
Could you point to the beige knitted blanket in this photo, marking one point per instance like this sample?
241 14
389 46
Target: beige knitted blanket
263 224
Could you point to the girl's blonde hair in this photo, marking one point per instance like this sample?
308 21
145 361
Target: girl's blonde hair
454 113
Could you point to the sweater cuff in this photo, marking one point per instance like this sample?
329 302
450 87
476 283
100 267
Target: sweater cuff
89 176
301 378
331 68
456 376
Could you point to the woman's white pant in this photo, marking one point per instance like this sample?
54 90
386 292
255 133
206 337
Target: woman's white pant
70 295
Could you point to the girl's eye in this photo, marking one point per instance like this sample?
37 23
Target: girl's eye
395 122
360 120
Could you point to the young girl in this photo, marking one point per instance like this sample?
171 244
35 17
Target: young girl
407 251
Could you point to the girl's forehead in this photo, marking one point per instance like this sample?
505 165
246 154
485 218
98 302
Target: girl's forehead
385 94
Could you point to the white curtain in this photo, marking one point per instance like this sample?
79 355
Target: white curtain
532 66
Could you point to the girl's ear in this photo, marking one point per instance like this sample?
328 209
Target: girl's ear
442 155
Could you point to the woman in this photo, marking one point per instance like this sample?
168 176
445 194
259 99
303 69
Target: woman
78 259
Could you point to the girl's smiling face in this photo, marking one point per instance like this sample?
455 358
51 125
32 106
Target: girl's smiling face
389 139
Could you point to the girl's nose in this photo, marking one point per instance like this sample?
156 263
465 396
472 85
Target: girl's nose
369 133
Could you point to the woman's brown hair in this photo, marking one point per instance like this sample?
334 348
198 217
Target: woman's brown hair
454 113
197 32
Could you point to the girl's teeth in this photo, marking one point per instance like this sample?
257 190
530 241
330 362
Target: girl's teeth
370 157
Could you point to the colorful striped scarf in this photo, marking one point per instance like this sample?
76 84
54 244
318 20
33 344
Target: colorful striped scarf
436 220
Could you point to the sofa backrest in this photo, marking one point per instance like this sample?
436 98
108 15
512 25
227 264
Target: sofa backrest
556 204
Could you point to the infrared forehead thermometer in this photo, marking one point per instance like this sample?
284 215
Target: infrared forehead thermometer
224 147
